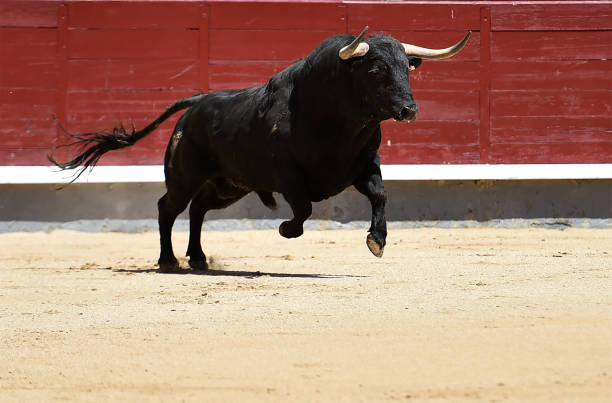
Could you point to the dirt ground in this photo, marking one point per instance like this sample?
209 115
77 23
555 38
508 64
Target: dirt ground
445 315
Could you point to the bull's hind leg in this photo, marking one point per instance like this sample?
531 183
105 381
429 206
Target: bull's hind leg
184 177
214 195
169 206
302 209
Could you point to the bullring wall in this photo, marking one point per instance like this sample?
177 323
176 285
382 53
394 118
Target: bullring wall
528 98
532 86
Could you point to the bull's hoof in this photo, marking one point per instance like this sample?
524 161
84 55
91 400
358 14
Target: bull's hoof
198 265
169 267
375 247
290 231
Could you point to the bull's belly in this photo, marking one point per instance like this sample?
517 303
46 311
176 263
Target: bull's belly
321 188
318 187
279 171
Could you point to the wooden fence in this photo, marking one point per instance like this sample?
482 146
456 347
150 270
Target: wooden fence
533 86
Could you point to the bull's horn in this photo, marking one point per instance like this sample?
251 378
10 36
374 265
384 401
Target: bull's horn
425 53
355 48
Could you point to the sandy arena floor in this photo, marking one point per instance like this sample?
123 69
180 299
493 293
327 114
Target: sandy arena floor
446 315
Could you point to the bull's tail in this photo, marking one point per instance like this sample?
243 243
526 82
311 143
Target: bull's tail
95 144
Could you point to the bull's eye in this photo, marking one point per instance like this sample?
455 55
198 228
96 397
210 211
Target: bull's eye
378 69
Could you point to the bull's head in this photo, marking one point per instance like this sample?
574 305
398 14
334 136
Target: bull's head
382 65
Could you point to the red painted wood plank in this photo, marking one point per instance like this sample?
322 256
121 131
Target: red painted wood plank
551 103
547 64
263 45
283 16
551 17
124 101
437 134
19 13
27 43
30 73
204 42
420 154
128 14
569 45
133 44
138 74
550 75
27 133
28 156
551 129
485 85
439 39
141 154
27 103
447 105
275 1
242 74
26 96
574 153
400 17
62 63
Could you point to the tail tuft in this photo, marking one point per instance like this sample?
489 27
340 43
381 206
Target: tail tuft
92 146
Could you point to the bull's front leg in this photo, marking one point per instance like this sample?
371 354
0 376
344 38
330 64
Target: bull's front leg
371 185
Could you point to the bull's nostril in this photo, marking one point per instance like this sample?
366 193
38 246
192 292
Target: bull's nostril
408 113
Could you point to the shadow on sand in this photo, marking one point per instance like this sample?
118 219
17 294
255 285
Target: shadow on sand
238 273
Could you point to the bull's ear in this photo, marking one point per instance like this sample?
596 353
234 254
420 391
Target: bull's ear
414 62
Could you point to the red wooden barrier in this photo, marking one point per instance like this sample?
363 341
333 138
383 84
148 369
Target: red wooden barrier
534 84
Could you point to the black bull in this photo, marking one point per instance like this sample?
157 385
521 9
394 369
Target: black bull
309 133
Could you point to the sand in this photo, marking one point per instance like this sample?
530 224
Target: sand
446 315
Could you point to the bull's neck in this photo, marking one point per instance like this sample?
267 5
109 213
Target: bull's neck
332 98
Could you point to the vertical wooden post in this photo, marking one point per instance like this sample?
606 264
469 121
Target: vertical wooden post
204 57
62 66
485 84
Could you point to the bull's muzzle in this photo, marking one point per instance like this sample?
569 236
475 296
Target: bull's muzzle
407 113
